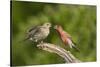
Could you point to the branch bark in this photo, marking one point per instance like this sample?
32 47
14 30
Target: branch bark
66 55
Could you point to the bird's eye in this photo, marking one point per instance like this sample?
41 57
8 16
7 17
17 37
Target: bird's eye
48 24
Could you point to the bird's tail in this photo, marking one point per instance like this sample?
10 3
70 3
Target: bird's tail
72 45
77 49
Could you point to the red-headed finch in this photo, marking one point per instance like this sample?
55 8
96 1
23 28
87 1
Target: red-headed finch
65 37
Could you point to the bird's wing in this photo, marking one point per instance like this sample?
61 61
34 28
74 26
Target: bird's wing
68 35
32 30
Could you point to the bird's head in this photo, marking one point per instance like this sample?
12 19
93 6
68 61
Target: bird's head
57 27
47 25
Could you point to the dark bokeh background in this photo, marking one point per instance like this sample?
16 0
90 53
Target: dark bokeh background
78 20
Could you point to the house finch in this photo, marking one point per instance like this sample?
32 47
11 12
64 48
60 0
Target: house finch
65 37
38 33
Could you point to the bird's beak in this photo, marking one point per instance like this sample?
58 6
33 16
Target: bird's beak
50 25
55 27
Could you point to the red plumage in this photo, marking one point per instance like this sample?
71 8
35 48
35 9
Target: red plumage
65 37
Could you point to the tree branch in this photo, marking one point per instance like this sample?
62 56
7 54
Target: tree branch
66 55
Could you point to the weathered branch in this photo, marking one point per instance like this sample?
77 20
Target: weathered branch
66 55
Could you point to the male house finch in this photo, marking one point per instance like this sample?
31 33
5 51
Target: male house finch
38 33
65 37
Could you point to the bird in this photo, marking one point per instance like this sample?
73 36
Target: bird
65 37
38 33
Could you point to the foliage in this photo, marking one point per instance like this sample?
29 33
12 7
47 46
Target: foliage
77 20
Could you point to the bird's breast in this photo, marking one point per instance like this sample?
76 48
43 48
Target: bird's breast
64 38
45 31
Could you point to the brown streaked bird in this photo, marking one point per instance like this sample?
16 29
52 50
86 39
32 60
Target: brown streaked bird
65 37
38 33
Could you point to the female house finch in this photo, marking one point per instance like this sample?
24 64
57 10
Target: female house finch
38 33
65 37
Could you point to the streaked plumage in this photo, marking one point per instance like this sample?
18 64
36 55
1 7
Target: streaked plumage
39 33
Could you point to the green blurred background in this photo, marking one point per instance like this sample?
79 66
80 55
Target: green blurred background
78 20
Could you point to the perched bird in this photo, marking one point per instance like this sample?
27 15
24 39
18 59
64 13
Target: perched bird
65 37
38 33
